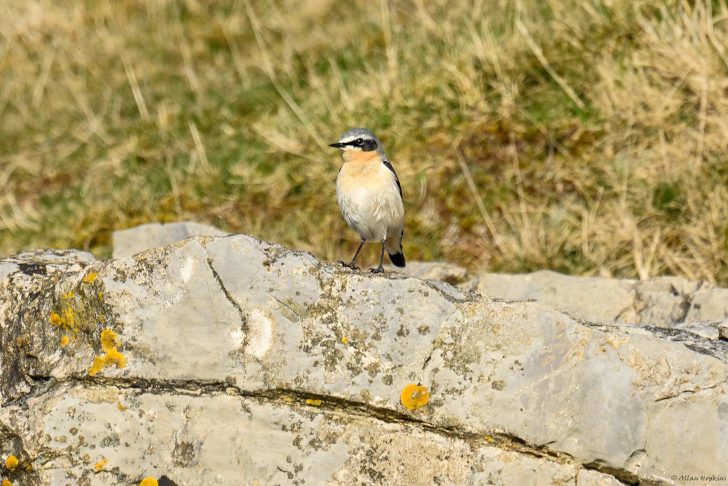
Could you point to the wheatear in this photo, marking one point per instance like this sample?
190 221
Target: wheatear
369 194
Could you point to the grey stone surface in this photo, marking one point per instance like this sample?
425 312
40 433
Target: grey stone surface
446 272
662 302
128 242
247 363
723 330
607 298
45 261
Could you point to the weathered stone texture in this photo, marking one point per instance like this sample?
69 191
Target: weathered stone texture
247 363
130 241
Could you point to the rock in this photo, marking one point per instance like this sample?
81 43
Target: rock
587 477
662 302
446 272
707 330
723 330
708 304
233 361
588 298
134 240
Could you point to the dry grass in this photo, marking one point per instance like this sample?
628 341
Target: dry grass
586 136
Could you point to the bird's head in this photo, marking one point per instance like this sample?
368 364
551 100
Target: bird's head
358 139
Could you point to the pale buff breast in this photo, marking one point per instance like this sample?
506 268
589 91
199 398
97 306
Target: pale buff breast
369 198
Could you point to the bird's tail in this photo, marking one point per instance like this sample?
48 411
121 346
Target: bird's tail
395 253
397 259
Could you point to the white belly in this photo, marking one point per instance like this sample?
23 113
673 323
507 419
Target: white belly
370 203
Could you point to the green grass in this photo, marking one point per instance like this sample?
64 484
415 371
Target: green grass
587 137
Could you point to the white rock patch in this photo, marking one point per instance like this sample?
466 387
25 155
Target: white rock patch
185 272
260 326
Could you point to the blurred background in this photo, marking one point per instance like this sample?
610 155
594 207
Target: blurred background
584 136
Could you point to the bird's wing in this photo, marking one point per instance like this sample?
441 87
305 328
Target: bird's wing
389 166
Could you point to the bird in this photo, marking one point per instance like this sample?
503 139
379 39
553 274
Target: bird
370 195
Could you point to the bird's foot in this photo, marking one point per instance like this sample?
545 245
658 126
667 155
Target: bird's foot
349 265
379 269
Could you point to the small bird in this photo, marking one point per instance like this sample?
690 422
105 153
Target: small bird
370 195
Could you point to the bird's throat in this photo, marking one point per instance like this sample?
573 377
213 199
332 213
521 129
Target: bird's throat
358 157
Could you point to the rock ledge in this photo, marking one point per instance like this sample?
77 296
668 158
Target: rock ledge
247 363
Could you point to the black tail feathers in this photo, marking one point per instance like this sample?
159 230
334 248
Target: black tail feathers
397 259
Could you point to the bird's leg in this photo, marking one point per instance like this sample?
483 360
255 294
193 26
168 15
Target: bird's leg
380 268
351 263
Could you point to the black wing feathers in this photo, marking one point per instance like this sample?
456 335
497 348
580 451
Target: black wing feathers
388 165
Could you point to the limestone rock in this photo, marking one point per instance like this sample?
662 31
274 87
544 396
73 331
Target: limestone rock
247 363
588 298
128 242
446 272
723 330
662 302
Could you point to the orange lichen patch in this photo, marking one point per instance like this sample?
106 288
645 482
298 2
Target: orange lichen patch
97 366
414 396
111 356
101 464
66 319
313 402
344 339
63 342
149 481
6 482
11 462
90 277
109 340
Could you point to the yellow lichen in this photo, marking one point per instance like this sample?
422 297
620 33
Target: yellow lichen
109 340
149 481
6 482
96 366
344 339
489 439
101 464
120 406
11 462
111 356
414 396
313 402
64 341
66 319
55 319
90 277
69 295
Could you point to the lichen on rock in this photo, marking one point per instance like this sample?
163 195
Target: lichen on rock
11 462
314 372
414 396
111 355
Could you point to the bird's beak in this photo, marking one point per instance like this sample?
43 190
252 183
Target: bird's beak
337 145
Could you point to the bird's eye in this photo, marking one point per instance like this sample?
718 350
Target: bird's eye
359 141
